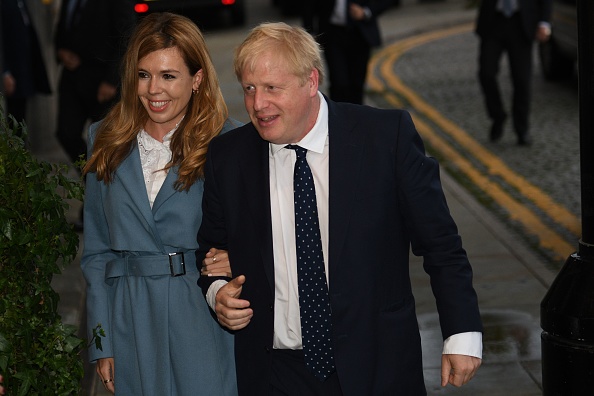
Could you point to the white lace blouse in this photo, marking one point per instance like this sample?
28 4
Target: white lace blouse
154 155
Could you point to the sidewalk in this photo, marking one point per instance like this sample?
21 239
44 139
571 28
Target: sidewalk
509 278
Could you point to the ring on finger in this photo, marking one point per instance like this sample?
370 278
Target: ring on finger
214 259
107 381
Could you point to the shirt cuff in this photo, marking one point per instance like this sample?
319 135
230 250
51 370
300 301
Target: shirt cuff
470 344
213 289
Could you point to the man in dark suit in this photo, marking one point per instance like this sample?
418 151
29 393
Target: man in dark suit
347 30
90 39
510 26
377 194
23 73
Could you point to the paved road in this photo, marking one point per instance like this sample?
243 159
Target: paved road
535 189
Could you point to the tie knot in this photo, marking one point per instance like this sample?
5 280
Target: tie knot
300 151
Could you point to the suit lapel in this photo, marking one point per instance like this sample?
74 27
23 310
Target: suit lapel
131 178
346 153
166 190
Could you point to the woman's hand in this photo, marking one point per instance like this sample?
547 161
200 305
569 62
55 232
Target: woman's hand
105 369
216 263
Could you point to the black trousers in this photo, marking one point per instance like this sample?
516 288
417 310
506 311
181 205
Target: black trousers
290 377
508 37
347 53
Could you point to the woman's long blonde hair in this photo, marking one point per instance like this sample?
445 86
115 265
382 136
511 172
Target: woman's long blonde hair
205 116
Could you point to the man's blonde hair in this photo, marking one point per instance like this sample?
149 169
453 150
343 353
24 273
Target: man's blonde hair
294 44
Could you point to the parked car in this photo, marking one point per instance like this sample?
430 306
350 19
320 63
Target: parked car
191 8
558 55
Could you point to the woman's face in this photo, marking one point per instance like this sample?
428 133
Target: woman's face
165 87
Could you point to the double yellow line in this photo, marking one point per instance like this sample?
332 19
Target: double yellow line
391 87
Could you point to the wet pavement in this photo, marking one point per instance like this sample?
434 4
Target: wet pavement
511 276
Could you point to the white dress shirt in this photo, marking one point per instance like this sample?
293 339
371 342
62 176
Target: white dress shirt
154 155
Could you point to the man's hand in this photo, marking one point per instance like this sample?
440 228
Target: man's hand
106 92
105 369
357 12
458 369
9 84
543 33
69 59
232 312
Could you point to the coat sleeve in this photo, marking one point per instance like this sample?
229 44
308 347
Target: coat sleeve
95 256
212 232
434 234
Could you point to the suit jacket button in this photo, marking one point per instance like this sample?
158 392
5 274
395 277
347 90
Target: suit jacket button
271 307
267 349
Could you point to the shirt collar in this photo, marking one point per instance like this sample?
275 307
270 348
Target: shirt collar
316 137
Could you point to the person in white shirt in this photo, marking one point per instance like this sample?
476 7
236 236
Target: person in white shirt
376 195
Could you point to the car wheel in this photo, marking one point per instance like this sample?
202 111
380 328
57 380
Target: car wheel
555 65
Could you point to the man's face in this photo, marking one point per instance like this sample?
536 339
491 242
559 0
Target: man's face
282 109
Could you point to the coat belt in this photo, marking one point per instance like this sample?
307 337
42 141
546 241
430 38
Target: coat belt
173 264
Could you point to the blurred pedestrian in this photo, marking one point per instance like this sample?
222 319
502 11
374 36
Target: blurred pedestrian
90 39
23 73
510 26
347 31
142 213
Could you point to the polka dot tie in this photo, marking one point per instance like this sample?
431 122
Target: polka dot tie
314 304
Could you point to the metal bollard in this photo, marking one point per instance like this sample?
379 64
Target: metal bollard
567 320
567 310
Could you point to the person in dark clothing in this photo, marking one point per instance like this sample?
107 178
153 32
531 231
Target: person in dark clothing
90 40
23 71
510 26
347 31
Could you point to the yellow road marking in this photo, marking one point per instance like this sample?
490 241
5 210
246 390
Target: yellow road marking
548 239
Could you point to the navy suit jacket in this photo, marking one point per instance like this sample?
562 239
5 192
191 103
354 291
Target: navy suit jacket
21 51
99 37
385 195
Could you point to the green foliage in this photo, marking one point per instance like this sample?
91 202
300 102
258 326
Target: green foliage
98 332
39 355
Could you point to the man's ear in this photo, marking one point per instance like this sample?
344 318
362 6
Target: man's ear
313 81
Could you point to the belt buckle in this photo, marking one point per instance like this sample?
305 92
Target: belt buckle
182 263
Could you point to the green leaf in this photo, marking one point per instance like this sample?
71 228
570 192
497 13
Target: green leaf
38 354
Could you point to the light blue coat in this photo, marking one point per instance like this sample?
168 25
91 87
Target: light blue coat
158 327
